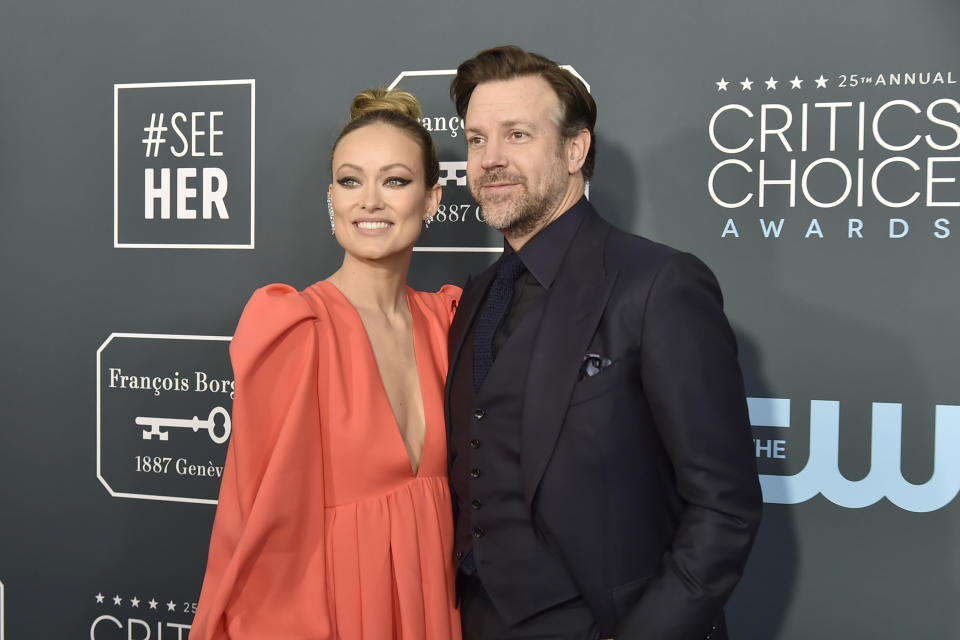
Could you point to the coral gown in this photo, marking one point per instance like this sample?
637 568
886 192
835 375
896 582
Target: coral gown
323 530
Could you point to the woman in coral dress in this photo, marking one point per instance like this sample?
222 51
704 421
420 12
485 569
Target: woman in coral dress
334 519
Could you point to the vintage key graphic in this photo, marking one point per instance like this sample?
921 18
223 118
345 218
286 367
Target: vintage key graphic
450 170
210 424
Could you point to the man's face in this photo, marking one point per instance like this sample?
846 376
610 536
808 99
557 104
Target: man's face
515 158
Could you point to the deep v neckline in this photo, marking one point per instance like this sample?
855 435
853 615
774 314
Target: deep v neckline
417 350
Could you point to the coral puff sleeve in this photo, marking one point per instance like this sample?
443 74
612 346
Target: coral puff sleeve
265 575
451 293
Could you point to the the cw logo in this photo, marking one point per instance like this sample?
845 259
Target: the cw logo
822 473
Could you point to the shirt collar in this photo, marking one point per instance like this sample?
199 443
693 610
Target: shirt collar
543 253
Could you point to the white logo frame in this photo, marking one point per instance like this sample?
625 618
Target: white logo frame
143 336
116 164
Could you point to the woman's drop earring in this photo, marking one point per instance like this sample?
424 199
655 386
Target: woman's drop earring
333 225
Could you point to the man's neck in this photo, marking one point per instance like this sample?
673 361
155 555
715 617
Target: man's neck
573 193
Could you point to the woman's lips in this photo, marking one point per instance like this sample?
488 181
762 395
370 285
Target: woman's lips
372 227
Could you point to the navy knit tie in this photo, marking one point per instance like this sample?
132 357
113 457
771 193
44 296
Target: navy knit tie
494 311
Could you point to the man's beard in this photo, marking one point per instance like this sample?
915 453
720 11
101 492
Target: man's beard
529 210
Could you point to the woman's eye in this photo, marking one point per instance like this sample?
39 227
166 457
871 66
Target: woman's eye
347 182
394 181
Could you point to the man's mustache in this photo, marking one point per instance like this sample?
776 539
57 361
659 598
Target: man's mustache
493 177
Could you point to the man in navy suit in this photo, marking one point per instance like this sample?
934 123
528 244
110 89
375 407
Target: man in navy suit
600 452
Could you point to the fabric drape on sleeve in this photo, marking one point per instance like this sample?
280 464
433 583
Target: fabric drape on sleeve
266 574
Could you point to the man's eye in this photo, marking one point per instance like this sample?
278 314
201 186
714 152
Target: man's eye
475 141
518 135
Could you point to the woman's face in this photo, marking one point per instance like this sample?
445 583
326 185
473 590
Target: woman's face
378 192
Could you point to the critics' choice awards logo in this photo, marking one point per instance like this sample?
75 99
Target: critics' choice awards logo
821 473
184 165
140 616
458 225
848 156
163 415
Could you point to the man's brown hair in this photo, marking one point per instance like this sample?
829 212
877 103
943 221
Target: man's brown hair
577 108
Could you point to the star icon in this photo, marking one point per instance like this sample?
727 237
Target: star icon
153 603
746 85
771 83
99 598
135 602
117 600
796 82
722 85
821 82
171 606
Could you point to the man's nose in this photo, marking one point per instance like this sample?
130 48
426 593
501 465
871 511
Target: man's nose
493 155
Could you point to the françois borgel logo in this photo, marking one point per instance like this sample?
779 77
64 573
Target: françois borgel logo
847 156
163 415
458 225
184 165
821 473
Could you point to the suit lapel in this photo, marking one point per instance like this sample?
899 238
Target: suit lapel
473 292
572 312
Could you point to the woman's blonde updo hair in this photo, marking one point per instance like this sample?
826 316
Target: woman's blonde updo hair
397 100
397 108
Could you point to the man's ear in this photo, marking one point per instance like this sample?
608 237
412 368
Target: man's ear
576 148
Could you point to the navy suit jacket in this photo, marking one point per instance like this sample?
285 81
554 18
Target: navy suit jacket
643 475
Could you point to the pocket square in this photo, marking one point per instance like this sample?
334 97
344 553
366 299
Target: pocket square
593 364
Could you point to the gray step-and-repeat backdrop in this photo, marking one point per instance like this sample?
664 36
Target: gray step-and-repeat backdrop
159 161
